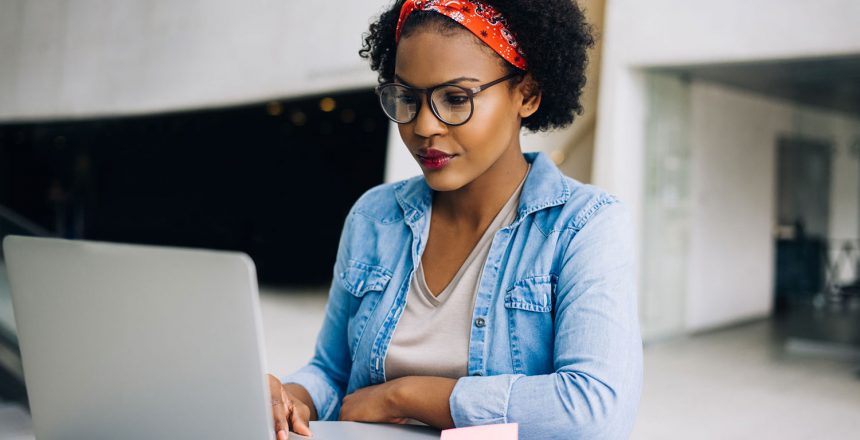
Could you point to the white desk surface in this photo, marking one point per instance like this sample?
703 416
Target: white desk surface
368 431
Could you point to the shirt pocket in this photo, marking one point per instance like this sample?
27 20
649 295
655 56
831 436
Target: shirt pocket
365 283
529 305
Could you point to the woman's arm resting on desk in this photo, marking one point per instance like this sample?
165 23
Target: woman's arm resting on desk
416 397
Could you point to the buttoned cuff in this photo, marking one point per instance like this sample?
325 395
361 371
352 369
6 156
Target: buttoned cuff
481 400
323 393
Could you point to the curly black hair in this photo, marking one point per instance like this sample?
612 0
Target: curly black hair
553 34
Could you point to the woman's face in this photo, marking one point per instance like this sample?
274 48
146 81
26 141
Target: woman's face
425 59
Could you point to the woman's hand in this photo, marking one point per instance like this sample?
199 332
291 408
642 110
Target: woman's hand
377 403
289 412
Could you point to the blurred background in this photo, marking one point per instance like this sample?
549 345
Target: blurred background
731 129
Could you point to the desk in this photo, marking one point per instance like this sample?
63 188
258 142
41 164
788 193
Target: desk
368 431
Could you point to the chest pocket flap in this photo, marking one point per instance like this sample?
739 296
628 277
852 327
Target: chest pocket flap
360 278
533 294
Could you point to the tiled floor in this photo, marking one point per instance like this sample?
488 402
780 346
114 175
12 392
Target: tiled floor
741 383
291 321
15 424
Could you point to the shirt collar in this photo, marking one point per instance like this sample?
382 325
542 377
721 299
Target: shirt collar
545 186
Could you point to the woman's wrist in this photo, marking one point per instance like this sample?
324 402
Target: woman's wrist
423 398
397 396
299 392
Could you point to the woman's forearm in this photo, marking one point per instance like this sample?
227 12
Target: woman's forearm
425 399
302 394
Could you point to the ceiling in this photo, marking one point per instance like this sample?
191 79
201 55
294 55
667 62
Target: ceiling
831 83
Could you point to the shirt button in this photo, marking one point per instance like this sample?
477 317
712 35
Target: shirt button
478 374
480 322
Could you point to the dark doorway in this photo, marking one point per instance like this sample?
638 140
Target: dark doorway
803 214
272 179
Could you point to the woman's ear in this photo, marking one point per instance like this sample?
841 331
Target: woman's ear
531 96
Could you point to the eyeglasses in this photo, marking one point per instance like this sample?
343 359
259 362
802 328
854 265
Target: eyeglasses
450 103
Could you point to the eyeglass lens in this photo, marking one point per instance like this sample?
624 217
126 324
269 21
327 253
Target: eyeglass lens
451 104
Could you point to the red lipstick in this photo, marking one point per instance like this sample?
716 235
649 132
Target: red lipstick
434 159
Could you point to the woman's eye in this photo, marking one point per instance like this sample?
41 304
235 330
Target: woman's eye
456 99
406 99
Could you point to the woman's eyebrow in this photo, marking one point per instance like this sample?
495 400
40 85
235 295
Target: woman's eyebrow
451 81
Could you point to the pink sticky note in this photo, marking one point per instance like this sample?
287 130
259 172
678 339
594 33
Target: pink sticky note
508 431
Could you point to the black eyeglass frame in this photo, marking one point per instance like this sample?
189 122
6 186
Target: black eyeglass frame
428 92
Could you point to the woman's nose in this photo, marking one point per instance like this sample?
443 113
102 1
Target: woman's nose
427 124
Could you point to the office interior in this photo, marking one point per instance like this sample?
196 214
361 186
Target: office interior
732 135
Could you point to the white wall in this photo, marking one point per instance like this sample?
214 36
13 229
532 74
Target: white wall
639 34
732 194
75 58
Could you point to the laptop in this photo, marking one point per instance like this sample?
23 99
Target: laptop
142 342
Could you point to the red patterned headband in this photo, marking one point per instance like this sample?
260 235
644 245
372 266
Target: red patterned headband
476 16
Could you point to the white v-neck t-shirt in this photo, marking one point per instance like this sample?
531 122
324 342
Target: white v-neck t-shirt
432 336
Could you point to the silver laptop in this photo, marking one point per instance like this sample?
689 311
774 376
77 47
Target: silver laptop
142 342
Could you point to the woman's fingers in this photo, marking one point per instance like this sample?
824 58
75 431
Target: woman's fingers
279 408
289 413
299 420
281 415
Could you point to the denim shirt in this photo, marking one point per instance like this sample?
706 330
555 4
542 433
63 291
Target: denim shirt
555 343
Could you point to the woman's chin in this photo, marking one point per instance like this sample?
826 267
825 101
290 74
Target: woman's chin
443 181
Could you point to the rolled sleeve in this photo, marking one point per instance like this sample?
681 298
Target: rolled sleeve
480 400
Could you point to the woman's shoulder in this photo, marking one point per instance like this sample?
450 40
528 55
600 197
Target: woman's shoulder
380 203
585 202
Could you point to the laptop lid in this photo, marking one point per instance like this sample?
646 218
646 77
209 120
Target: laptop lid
138 342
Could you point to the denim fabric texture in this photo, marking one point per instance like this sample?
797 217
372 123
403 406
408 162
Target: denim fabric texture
555 343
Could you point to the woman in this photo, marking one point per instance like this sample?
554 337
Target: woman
492 289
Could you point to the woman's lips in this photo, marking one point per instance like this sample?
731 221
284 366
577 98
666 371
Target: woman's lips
435 161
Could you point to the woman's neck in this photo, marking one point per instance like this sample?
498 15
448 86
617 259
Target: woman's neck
472 207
